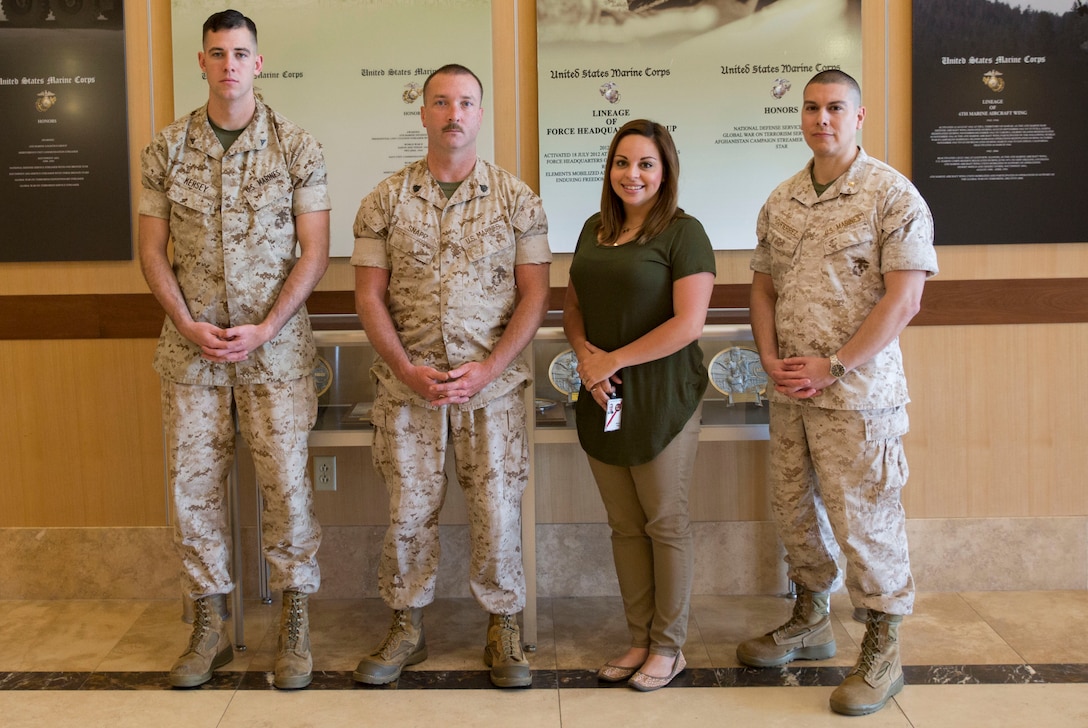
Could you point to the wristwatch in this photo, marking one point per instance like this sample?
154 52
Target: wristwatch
837 369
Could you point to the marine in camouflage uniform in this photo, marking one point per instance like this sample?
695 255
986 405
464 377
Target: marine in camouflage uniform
844 248
451 282
451 293
232 222
237 187
827 256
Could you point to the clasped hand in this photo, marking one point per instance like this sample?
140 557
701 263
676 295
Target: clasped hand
800 377
455 386
598 369
226 345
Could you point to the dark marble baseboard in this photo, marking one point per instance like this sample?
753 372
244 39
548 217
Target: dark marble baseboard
723 677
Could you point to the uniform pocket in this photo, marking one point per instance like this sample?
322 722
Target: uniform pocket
261 196
784 245
487 242
853 253
404 242
270 208
380 416
491 252
886 424
193 196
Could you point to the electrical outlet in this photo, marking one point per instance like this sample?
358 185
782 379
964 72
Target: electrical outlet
325 472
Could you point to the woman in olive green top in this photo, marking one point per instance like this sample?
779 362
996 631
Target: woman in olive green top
640 284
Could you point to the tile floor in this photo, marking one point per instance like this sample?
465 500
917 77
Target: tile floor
971 659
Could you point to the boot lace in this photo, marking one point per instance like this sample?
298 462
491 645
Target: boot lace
294 620
202 623
870 648
397 632
801 608
508 636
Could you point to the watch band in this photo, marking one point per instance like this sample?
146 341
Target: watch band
837 369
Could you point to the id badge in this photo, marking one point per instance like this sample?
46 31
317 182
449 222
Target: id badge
612 411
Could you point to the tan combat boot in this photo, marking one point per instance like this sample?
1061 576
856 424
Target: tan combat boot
294 665
806 636
404 645
209 644
503 653
879 673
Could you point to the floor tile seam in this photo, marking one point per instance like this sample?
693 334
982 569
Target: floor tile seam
902 710
843 624
226 710
548 606
724 677
993 627
122 635
693 619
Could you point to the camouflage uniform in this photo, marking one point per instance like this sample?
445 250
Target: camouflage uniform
842 449
451 294
232 222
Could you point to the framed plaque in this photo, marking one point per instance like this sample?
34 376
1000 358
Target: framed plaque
563 374
323 375
737 373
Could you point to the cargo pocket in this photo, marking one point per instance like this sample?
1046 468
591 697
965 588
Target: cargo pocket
886 424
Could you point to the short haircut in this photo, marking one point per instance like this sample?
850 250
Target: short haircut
455 69
835 76
228 20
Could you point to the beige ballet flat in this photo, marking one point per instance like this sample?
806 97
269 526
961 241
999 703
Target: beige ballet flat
615 673
647 683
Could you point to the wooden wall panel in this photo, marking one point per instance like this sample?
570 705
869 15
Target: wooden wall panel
730 482
80 434
565 491
997 422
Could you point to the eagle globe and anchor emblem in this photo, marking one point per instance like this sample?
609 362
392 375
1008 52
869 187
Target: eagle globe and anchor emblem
45 101
412 92
994 80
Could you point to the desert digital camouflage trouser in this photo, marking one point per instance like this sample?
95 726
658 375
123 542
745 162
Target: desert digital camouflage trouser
275 419
492 464
852 462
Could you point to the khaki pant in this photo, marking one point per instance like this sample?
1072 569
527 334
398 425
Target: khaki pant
490 446
275 419
647 509
852 463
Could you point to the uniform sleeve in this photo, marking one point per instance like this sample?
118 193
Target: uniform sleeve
761 256
907 233
153 199
692 252
310 178
531 230
370 230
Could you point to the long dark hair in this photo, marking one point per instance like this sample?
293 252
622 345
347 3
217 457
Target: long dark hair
665 208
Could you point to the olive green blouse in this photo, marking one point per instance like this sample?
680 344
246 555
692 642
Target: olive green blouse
625 292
